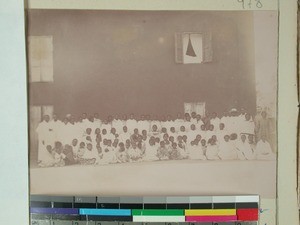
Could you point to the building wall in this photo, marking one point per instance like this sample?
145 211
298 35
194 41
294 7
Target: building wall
123 62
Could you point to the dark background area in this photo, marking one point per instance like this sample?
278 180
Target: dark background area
112 62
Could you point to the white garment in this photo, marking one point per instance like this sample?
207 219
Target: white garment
97 123
123 137
143 125
46 136
108 157
157 123
212 152
264 151
187 125
216 122
46 158
118 125
107 127
199 124
210 133
191 135
247 127
177 124
168 124
245 151
195 152
220 135
151 153
227 151
131 125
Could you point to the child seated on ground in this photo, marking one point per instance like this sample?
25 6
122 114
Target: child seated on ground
212 150
162 151
58 154
121 154
195 151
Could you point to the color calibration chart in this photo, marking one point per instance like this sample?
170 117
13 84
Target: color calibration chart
180 210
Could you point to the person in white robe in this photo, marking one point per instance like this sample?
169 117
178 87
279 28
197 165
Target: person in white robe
225 119
112 135
46 136
182 131
117 124
75 147
252 143
122 156
109 156
212 150
203 146
48 157
227 149
134 153
244 149
178 122
249 125
210 132
143 124
97 120
100 153
195 151
198 139
154 131
131 124
233 125
156 123
215 120
221 132
203 132
174 152
162 151
151 151
242 115
199 122
193 118
55 123
173 132
58 154
264 150
192 133
106 125
123 136
90 155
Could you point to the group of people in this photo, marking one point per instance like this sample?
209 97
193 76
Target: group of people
89 140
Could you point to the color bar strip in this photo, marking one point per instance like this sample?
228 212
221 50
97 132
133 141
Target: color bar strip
210 212
157 212
210 218
247 214
158 219
63 211
105 212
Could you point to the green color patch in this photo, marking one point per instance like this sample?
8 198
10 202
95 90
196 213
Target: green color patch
158 212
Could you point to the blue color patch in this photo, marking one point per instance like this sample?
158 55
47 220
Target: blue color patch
105 212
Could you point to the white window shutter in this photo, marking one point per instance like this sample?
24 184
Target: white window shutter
207 47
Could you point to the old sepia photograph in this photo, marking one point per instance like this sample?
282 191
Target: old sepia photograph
152 102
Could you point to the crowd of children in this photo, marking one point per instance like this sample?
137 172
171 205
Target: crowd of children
89 140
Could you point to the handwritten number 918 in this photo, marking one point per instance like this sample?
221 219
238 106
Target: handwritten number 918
248 3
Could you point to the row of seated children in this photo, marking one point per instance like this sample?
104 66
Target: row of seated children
99 149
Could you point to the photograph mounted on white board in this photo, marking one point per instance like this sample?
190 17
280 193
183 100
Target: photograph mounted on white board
131 102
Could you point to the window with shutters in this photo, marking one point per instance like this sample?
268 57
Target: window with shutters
40 58
193 47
